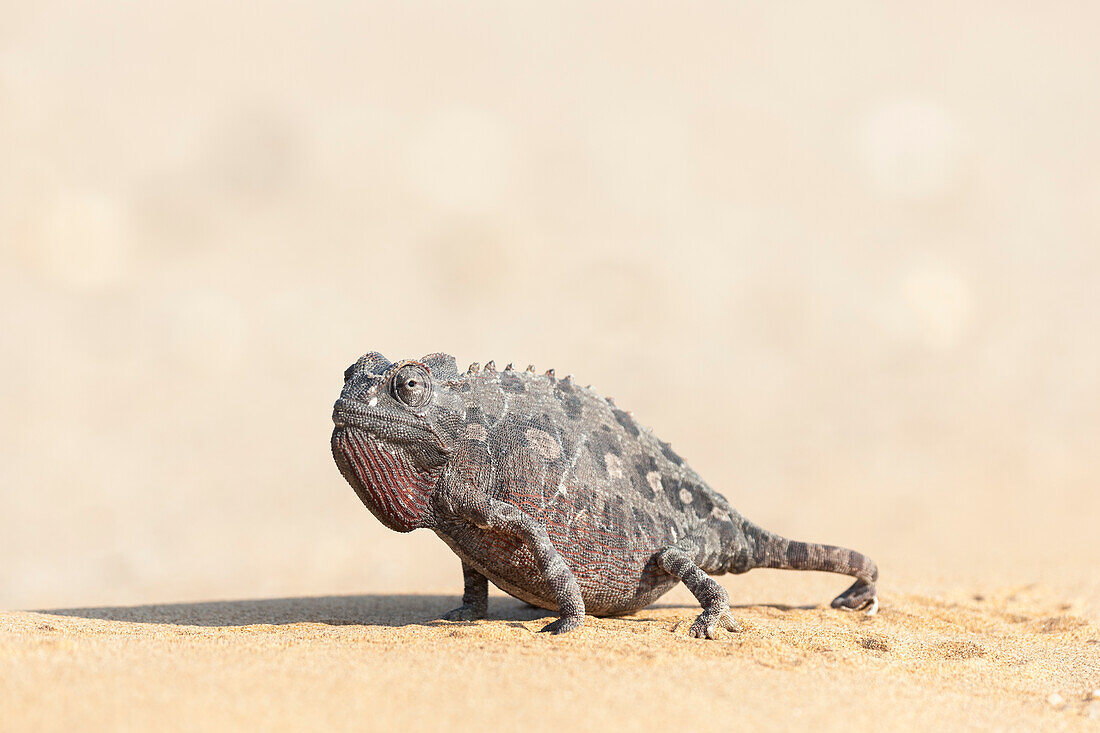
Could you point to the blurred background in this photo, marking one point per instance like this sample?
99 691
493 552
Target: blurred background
844 257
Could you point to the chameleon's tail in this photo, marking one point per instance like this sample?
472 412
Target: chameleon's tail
772 551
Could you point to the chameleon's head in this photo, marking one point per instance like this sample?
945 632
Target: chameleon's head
401 404
394 427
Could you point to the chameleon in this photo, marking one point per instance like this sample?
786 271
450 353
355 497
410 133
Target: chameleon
553 493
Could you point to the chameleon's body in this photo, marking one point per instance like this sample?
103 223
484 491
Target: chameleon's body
551 492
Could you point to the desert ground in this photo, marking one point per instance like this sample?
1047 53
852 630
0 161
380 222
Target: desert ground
1015 660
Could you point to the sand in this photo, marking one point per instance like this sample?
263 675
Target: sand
1019 659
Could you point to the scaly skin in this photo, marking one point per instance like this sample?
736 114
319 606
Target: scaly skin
551 492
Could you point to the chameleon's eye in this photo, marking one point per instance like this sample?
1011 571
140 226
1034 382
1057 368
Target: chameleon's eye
412 386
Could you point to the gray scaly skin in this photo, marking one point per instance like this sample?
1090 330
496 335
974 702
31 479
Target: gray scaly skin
551 492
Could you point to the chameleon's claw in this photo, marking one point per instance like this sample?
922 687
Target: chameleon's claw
464 613
708 623
563 624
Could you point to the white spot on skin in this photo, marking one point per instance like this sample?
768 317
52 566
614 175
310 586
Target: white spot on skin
719 514
614 466
476 431
373 402
544 443
654 480
685 496
572 464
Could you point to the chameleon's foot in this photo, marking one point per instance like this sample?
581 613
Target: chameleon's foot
465 613
709 621
861 595
564 624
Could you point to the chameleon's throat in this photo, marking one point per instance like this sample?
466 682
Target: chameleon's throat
386 481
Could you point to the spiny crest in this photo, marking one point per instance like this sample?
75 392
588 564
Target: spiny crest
489 368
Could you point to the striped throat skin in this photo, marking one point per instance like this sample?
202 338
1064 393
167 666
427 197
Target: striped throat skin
385 478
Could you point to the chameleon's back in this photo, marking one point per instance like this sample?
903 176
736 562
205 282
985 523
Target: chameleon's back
609 493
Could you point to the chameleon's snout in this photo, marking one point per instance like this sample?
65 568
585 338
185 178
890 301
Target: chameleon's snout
344 412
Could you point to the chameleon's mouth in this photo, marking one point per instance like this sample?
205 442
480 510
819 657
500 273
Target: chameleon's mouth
392 427
349 413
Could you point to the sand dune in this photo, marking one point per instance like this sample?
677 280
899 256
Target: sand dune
1008 660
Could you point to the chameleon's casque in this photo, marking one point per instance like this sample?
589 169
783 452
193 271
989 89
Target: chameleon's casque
553 493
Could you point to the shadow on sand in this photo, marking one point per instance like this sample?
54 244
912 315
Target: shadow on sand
367 610
391 610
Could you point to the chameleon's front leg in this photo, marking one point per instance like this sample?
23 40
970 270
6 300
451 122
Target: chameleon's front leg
463 494
504 517
475 596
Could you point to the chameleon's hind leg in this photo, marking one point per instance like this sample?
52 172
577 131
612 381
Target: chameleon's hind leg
475 597
711 596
